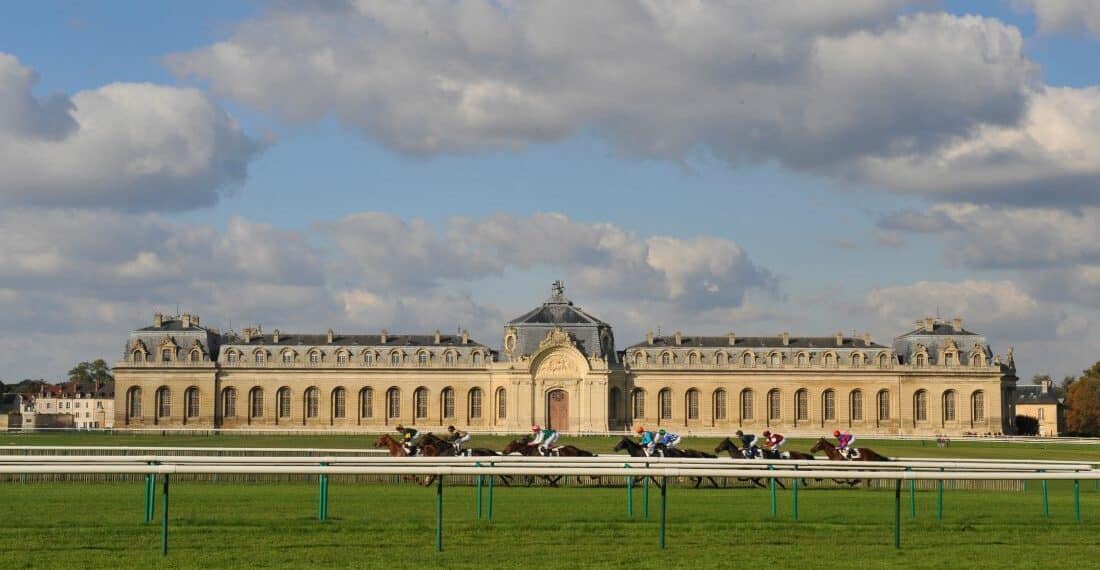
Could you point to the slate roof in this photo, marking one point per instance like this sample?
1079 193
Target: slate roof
687 341
557 310
1030 394
941 328
353 340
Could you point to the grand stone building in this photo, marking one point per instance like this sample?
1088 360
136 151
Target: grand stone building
558 365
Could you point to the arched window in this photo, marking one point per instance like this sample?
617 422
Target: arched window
283 402
447 398
691 401
802 360
339 403
166 354
666 359
802 405
693 359
776 360
231 357
395 358
746 359
828 405
949 359
164 402
920 361
449 358
133 402
256 403
720 405
977 406
664 403
368 358
138 356
775 406
883 361
366 403
288 357
191 403
229 403
883 405
342 358
639 359
393 403
949 406
259 357
422 358
315 357
720 358
502 403
920 405
976 359
420 403
857 360
614 403
196 355
830 360
477 359
855 406
475 403
313 402
746 404
638 403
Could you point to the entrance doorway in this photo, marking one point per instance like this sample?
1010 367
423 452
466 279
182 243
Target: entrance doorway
557 410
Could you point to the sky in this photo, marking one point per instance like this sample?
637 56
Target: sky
811 167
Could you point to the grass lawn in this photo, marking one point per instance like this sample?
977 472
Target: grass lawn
274 525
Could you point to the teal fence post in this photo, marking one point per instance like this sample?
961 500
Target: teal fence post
1046 498
164 521
939 498
1077 500
491 496
912 495
629 494
439 514
322 495
897 513
664 501
771 483
794 489
645 495
478 464
150 486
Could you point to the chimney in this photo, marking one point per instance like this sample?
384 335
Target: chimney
465 336
275 336
195 320
920 325
246 333
840 338
1045 383
929 324
732 338
649 338
330 336
786 338
158 320
866 339
678 338
958 324
385 335
185 320
437 336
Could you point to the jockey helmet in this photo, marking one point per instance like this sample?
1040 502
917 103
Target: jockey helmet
836 433
535 427
400 427
450 428
661 431
767 433
639 429
740 433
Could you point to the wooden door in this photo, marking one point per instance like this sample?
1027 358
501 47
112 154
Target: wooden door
557 410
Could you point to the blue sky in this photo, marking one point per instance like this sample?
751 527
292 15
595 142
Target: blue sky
677 207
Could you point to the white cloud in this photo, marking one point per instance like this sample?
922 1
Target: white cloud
1065 15
127 146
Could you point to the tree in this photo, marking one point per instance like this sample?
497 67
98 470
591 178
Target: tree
96 373
1083 403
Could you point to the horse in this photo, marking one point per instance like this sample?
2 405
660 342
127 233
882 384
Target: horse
432 446
727 446
392 445
834 454
522 447
635 449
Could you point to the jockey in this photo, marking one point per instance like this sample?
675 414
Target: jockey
669 440
844 442
409 438
773 441
458 437
544 438
748 444
649 440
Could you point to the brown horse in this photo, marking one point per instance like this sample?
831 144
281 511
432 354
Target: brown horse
727 446
635 449
830 450
523 446
392 445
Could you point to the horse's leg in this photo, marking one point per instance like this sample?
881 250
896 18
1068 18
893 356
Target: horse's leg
698 481
713 483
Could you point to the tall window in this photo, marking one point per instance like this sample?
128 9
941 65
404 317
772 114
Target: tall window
855 403
477 359
395 358
368 358
475 403
420 403
256 403
720 405
884 405
693 359
502 403
949 406
191 401
801 360
857 360
393 403
283 397
449 358
166 354
342 358
231 357
259 357
638 403
802 405
920 361
139 356
422 358
830 360
920 405
746 404
882 361
639 359
746 359
666 359
775 411
339 403
949 359
229 403
288 357
313 402
977 406
133 402
366 403
664 402
692 404
614 403
777 360
828 405
315 357
447 398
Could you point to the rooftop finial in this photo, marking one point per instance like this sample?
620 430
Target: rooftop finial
557 289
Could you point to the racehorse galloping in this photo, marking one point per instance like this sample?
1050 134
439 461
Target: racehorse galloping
830 450
635 449
727 446
393 446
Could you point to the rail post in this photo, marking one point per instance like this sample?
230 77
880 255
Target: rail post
1046 497
164 521
629 493
645 495
439 514
939 498
322 496
150 499
897 513
794 490
1077 500
771 483
478 464
490 513
664 501
912 495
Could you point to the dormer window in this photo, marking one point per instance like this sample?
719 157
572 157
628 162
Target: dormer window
395 359
288 357
422 358
260 357
231 357
920 361
666 359
949 359
196 356
341 358
449 358
166 354
315 357
477 359
139 356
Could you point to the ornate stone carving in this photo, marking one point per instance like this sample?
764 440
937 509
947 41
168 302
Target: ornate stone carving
555 338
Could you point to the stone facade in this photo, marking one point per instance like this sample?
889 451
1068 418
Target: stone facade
558 366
